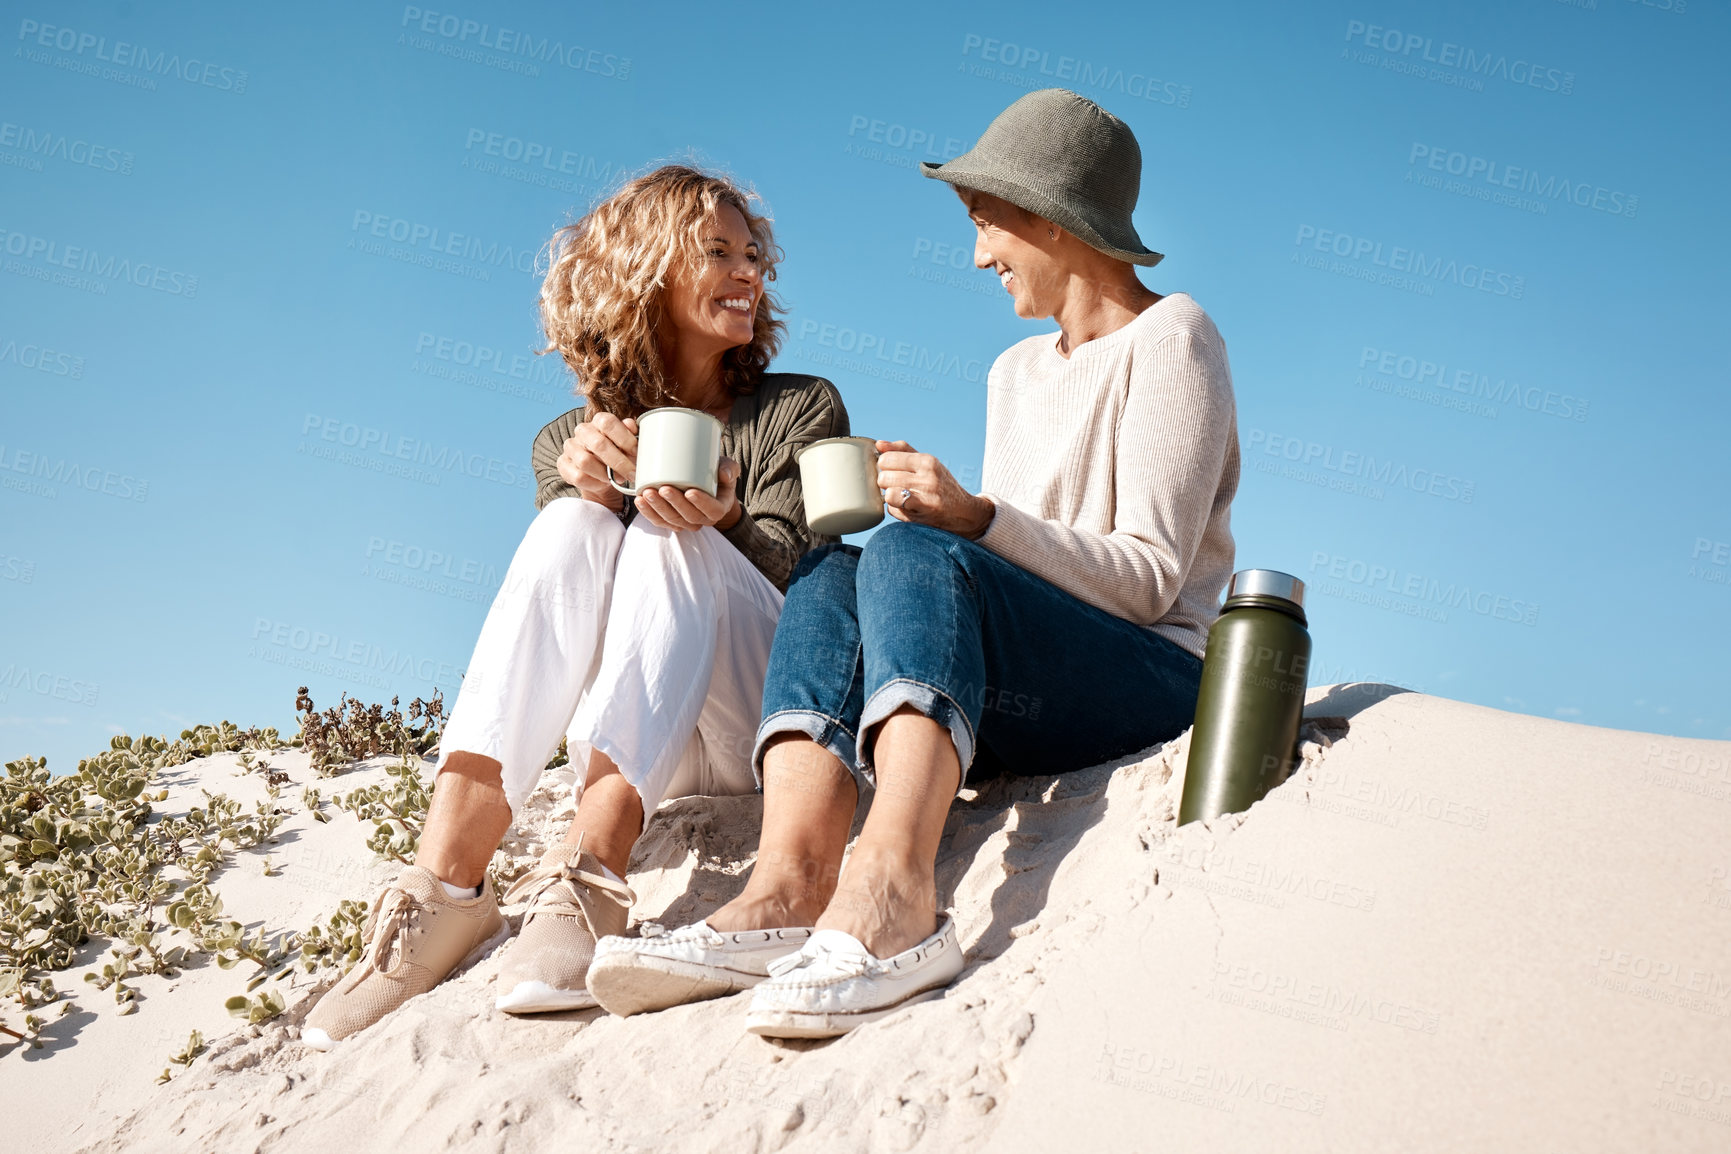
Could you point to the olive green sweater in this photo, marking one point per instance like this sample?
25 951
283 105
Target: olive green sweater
764 432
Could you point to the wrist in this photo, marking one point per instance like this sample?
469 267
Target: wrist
734 515
984 511
611 499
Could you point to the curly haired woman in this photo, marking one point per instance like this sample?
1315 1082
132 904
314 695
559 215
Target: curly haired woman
639 631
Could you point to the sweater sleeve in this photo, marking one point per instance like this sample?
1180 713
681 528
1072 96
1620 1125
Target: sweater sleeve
1170 451
771 531
544 456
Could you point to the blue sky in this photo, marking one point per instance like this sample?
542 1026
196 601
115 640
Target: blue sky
267 315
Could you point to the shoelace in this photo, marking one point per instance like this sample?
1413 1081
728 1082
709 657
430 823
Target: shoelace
395 913
849 963
698 930
533 887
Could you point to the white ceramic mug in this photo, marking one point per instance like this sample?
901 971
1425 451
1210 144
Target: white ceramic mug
839 479
678 447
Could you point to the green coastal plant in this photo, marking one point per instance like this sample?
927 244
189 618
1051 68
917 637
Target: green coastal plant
398 808
81 857
84 856
340 942
259 1008
273 777
194 1047
351 731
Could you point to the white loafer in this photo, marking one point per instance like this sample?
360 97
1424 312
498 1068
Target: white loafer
835 984
666 968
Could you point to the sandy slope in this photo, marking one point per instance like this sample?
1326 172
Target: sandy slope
1456 928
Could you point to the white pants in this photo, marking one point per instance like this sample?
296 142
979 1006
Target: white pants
648 645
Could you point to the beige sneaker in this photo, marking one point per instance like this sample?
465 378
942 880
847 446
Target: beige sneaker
417 935
571 903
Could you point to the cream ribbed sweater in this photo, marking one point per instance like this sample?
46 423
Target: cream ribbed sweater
1113 470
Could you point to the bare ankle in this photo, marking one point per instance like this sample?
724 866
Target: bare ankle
767 907
886 901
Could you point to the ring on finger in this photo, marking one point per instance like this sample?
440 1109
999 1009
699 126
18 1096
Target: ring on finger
906 493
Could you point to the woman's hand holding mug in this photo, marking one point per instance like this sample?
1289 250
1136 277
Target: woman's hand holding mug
919 489
596 445
690 509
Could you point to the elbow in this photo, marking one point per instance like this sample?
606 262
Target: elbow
1164 585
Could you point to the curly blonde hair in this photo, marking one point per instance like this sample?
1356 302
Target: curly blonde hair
607 276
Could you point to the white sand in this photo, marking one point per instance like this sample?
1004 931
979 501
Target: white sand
1454 929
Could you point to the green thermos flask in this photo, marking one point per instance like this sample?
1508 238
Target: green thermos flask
1253 678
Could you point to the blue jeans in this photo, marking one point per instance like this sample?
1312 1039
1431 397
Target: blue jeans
1027 678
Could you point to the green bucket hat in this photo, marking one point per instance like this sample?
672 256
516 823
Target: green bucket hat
1063 157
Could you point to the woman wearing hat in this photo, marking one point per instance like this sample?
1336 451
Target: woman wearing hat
1054 621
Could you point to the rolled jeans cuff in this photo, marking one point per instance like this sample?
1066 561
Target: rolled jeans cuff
929 701
827 731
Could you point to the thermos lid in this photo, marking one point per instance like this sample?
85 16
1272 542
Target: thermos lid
1266 583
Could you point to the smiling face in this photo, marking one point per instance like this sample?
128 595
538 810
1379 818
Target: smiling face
1017 246
709 307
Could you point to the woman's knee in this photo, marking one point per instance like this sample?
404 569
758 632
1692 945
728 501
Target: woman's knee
905 558
647 547
820 602
568 539
828 568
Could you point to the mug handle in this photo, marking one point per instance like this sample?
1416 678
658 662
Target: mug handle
631 492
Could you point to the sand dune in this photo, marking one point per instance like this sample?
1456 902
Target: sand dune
1454 928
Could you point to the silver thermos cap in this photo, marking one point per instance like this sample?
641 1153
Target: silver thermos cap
1266 583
